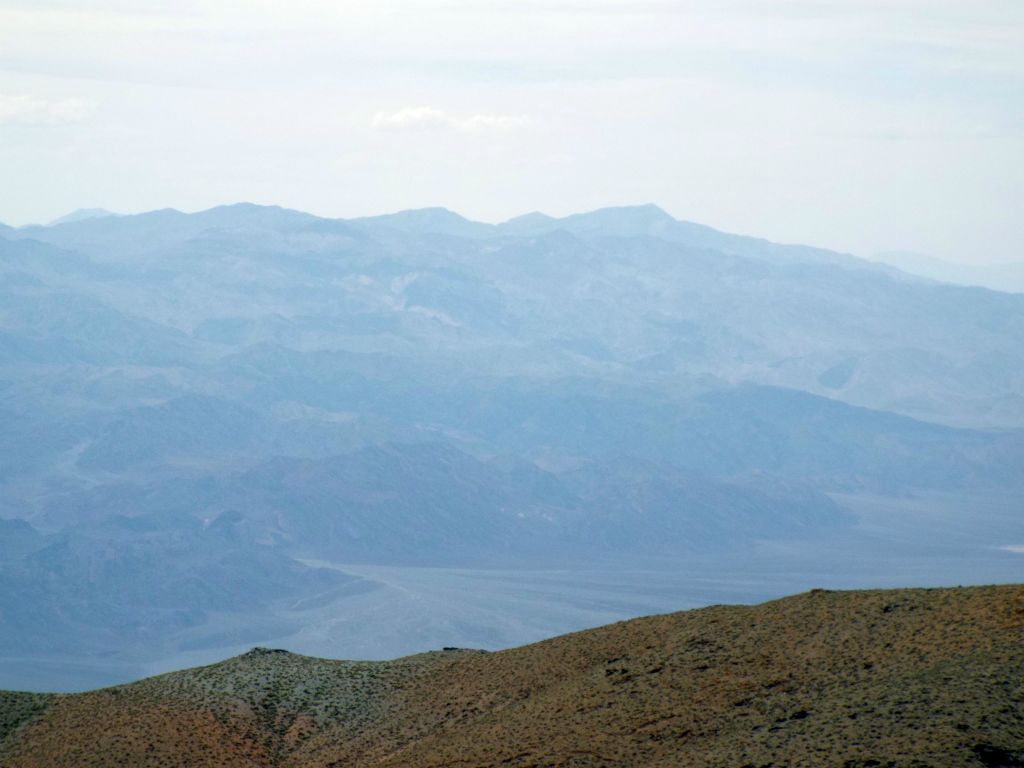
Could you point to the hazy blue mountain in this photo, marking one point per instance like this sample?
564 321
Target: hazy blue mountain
529 224
432 504
46 261
44 326
422 221
188 427
135 582
151 232
652 508
748 429
652 221
197 405
82 214
626 221
18 539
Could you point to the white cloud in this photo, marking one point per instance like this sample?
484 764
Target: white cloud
28 109
431 117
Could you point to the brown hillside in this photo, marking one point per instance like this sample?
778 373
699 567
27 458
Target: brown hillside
853 679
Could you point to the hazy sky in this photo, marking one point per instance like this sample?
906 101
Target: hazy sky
863 126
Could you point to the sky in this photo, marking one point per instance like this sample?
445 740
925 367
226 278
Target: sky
864 126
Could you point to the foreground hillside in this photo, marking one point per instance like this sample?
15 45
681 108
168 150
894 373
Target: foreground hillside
855 679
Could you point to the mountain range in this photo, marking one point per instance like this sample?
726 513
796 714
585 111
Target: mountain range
213 422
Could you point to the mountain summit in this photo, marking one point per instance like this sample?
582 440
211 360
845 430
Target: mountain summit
82 214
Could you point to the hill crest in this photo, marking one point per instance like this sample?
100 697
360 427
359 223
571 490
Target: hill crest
848 679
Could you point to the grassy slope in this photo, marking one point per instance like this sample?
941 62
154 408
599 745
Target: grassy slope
903 678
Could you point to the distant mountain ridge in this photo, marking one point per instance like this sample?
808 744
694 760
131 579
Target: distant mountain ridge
623 221
644 244
903 678
620 221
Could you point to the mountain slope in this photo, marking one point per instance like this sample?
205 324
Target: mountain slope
882 678
1007 276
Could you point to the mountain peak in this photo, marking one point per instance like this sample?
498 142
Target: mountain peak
625 220
425 215
646 210
246 209
261 652
81 214
529 219
241 207
436 220
528 224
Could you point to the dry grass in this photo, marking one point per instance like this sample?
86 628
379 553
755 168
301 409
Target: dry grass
908 678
